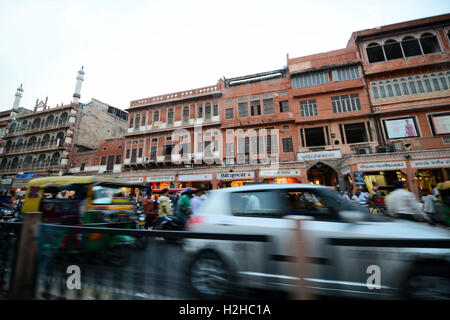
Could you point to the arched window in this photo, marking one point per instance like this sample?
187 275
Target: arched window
19 144
429 43
137 121
411 46
23 126
392 49
31 143
131 122
27 162
41 161
63 118
52 140
55 159
8 145
15 163
45 140
3 164
60 139
36 124
49 121
375 52
12 128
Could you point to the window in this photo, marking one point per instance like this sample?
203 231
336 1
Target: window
268 106
229 149
168 151
255 108
208 112
140 153
153 153
284 106
375 52
429 43
355 132
155 140
271 144
143 120
347 73
256 203
346 103
243 110
215 110
309 79
170 117
229 113
128 154
392 49
315 137
106 194
411 46
185 114
200 111
308 108
287 145
156 116
410 86
133 155
137 122
119 159
103 161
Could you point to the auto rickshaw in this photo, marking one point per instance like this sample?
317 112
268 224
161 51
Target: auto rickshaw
83 201
444 198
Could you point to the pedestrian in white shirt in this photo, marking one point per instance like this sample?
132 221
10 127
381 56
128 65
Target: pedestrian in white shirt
196 201
403 204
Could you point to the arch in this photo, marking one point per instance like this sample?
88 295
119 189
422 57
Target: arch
31 143
55 159
411 46
49 121
41 160
375 52
12 127
36 123
429 43
15 163
19 144
392 49
59 141
8 145
3 164
45 140
63 118
323 174
52 140
23 125
27 162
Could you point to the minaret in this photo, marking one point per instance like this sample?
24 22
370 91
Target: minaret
80 79
18 97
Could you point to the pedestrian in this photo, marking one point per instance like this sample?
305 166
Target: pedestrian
164 204
174 200
196 201
149 208
403 204
358 196
429 206
184 205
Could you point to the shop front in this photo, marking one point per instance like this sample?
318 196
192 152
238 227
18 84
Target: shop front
381 173
161 182
6 184
321 166
428 173
281 176
234 179
199 181
132 191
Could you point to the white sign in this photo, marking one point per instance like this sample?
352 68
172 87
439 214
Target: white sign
235 175
136 179
161 179
307 156
345 171
431 163
195 177
382 166
6 181
279 173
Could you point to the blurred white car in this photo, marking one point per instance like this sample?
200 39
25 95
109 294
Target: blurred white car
343 246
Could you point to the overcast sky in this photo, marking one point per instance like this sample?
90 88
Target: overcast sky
137 49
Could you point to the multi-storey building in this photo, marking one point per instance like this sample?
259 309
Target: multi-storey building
40 142
406 70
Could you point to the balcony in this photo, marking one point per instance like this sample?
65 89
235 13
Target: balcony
32 168
33 149
37 130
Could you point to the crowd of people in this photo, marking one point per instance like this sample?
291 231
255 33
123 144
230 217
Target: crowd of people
180 204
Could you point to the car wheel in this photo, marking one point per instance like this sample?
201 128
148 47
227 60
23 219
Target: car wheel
428 283
210 277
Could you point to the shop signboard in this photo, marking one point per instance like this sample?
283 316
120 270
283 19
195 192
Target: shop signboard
319 155
359 178
195 177
279 173
235 175
134 179
161 179
434 163
380 166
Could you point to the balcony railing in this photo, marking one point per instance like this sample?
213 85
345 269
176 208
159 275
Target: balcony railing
27 149
30 130
32 168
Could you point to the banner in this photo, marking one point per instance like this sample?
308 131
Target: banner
235 175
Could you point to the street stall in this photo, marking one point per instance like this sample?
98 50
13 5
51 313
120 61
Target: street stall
382 173
431 172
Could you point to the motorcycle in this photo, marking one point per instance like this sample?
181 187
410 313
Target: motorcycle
8 214
170 222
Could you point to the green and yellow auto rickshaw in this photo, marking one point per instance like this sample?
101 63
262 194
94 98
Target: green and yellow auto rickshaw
444 198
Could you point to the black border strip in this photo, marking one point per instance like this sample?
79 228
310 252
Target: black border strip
391 243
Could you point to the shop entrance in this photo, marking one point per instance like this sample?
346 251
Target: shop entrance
322 174
205 185
429 178
382 178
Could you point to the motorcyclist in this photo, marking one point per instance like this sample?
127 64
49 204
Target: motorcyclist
5 201
184 205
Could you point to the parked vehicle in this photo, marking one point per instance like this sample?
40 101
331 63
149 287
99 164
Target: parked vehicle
444 198
341 242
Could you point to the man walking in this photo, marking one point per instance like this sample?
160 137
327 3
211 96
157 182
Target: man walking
184 205
164 204
149 207
196 201
403 204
